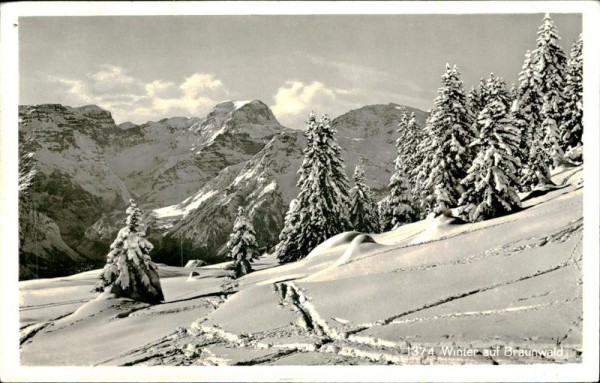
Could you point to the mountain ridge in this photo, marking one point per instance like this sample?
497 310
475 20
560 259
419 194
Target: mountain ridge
182 161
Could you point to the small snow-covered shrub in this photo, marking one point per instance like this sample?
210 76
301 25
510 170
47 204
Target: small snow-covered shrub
129 271
242 247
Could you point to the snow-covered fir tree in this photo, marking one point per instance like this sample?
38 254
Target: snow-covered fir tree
495 89
401 201
422 170
448 146
551 69
489 89
526 110
364 215
512 91
385 215
290 234
490 181
538 107
242 248
536 171
321 208
408 155
129 272
572 128
477 98
401 205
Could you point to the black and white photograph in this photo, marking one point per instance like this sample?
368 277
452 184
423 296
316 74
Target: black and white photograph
294 185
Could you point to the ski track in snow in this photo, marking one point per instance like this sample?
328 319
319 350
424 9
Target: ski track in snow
328 340
339 339
398 352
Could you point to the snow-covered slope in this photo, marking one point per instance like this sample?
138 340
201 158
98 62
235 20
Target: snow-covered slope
463 293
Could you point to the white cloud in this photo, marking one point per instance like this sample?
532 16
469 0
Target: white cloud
199 83
75 88
131 99
157 87
295 98
112 79
197 93
112 74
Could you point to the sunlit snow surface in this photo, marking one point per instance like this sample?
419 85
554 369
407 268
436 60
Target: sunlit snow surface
239 104
185 207
421 294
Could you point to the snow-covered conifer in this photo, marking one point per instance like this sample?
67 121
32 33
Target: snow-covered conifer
512 92
408 156
572 128
289 236
477 99
550 68
321 208
449 143
526 111
490 181
423 168
496 90
535 172
242 247
401 202
129 272
364 215
385 215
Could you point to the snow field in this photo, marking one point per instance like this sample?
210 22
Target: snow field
511 282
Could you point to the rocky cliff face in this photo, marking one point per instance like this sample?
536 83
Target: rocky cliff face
74 184
165 162
191 173
370 133
43 252
263 185
72 141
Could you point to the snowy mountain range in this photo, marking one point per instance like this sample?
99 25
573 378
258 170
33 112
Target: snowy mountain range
189 174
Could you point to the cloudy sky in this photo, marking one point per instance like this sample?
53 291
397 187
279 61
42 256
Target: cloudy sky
148 68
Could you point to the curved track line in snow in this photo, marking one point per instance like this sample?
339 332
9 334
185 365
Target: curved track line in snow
460 295
55 304
467 314
507 249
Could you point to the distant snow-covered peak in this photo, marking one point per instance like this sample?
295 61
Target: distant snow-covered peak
239 104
